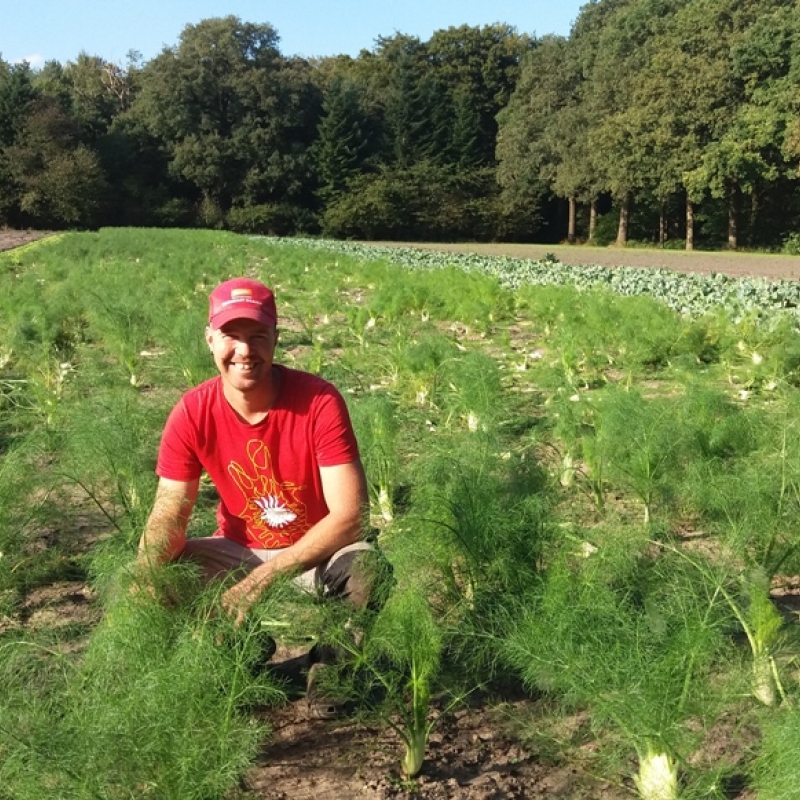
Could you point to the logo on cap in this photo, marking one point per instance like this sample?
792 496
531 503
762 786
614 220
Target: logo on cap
242 298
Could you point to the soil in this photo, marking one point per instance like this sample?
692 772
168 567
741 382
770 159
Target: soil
10 238
773 267
492 747
472 753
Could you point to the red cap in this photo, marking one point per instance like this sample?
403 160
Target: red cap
242 298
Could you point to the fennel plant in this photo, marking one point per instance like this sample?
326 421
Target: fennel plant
388 663
634 640
473 394
154 707
375 419
481 524
643 441
407 637
775 772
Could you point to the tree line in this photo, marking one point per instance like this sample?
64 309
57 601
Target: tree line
668 121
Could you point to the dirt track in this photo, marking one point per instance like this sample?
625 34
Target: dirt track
10 239
737 264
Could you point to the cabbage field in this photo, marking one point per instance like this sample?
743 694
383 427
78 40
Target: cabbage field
587 482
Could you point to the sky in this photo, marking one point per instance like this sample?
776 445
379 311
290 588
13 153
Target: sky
44 30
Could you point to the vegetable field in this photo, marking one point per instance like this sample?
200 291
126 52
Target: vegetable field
587 482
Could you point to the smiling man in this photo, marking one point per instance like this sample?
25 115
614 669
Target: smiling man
280 449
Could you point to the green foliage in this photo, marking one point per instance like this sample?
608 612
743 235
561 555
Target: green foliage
634 640
645 112
270 219
775 772
377 427
407 642
473 393
61 182
22 516
422 202
480 517
238 126
791 245
153 708
343 146
643 442
692 295
599 332
16 95
718 430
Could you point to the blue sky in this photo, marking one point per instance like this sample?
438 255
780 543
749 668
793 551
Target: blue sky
61 29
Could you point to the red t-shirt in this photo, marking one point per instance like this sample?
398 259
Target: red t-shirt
267 474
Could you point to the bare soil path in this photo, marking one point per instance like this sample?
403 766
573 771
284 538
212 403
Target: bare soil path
774 267
11 238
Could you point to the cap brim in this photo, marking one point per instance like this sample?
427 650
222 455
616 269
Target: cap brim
243 311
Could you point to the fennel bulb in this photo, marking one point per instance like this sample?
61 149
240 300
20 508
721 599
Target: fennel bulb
658 776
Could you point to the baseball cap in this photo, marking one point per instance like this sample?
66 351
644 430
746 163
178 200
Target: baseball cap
242 298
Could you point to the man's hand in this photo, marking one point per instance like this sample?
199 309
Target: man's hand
344 488
241 597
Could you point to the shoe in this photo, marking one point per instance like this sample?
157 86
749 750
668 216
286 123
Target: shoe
291 674
265 649
319 705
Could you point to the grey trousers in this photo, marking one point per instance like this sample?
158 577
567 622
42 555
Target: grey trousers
338 576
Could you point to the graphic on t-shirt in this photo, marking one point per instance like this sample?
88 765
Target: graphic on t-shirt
273 511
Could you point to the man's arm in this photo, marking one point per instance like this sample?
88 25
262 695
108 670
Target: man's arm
345 490
164 535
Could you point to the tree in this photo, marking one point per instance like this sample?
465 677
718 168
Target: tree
478 68
620 51
343 145
236 118
528 125
60 180
719 147
753 157
16 95
409 103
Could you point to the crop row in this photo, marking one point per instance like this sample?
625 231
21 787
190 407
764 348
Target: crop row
692 294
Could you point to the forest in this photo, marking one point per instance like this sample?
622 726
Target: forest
666 122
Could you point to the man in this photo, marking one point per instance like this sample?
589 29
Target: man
280 449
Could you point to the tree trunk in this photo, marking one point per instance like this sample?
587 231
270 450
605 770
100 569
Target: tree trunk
624 219
754 213
689 224
571 224
592 219
662 227
733 217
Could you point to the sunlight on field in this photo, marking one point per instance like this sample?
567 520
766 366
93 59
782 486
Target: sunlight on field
587 497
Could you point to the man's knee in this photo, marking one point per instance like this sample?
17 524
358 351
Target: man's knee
364 577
